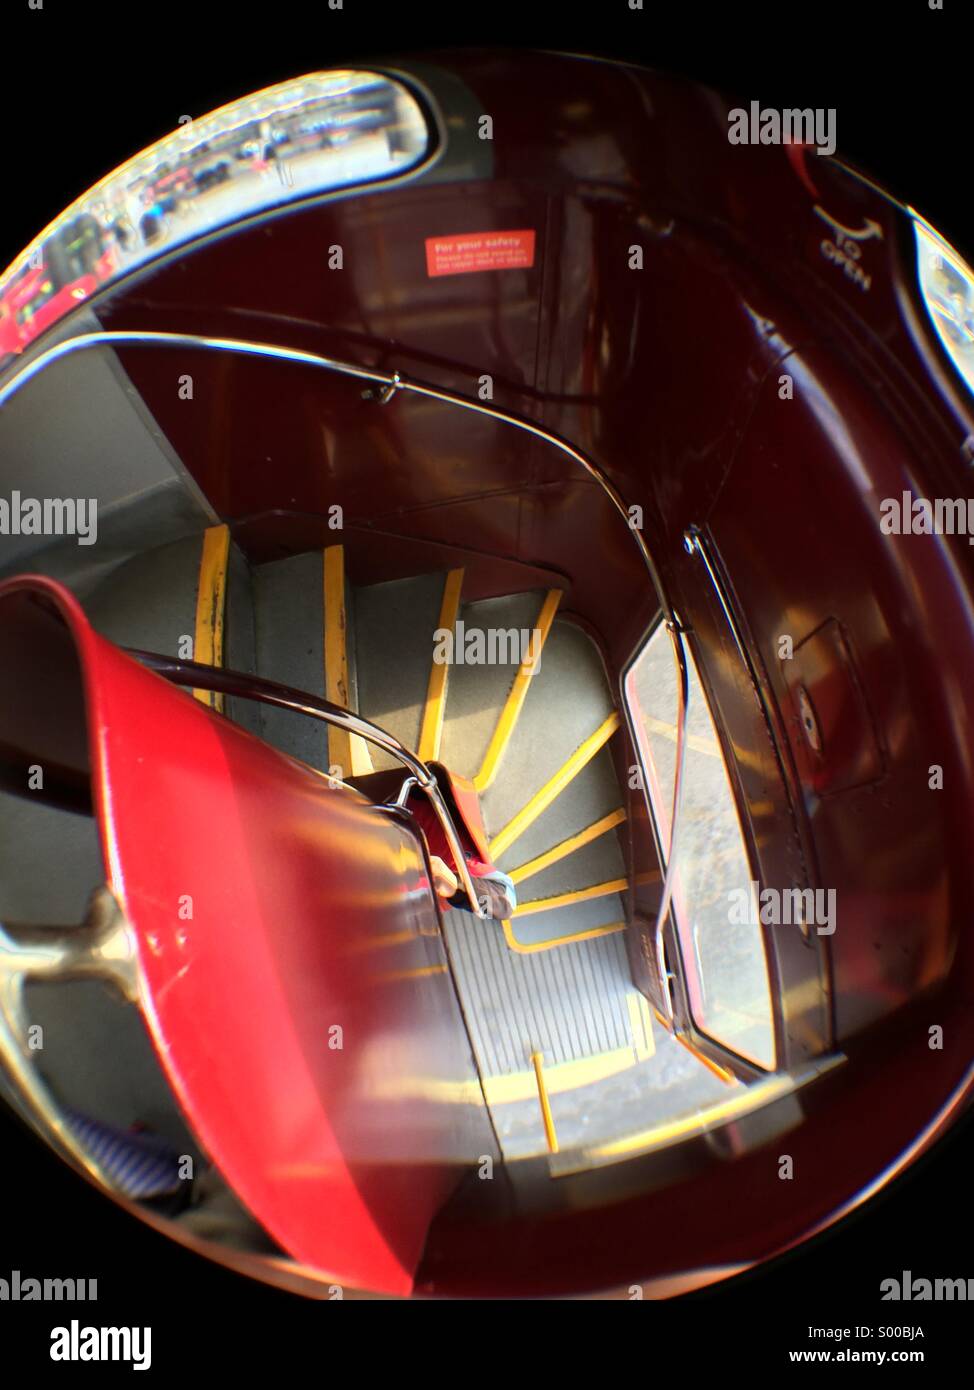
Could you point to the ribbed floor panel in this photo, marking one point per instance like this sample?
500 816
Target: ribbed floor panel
609 1070
568 1002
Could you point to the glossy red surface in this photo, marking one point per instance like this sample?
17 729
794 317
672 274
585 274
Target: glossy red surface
290 963
465 798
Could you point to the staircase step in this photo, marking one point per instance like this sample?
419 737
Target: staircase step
561 778
570 896
567 705
573 845
348 755
577 997
593 793
600 861
574 921
532 652
192 596
150 600
394 625
434 712
289 632
240 639
478 694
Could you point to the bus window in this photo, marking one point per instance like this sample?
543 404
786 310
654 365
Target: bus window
721 939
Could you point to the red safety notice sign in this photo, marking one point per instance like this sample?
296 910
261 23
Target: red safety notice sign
458 255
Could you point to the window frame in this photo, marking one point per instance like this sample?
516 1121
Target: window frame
676 928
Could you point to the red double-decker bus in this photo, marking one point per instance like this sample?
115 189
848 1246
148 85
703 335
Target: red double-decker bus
68 268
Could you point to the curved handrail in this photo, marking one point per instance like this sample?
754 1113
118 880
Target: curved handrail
390 384
103 947
238 683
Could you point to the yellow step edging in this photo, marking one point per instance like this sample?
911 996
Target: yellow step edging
507 721
516 1087
434 710
590 935
640 1027
554 786
345 750
566 847
575 895
211 602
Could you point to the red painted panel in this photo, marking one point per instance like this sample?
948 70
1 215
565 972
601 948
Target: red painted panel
461 255
894 849
464 798
264 903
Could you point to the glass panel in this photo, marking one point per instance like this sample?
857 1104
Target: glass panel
652 694
306 136
719 929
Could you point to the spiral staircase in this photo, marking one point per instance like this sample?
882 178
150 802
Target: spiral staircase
571 1059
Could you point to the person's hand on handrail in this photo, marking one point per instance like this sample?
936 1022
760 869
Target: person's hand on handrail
444 879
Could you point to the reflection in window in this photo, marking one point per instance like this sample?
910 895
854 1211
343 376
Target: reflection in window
325 131
722 945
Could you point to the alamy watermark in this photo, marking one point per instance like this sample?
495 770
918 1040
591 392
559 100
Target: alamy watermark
757 125
77 1343
50 516
777 907
922 516
909 1289
18 1289
493 646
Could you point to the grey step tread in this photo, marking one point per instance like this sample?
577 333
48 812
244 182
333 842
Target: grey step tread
567 701
165 514
570 920
476 694
240 640
646 1093
393 626
657 1091
289 636
600 861
150 600
567 1002
593 793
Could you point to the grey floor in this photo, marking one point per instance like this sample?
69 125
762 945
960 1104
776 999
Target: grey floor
571 1004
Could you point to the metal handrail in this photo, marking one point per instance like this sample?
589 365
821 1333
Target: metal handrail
238 683
391 383
103 947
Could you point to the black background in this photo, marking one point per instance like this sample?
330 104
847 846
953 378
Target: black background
87 84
